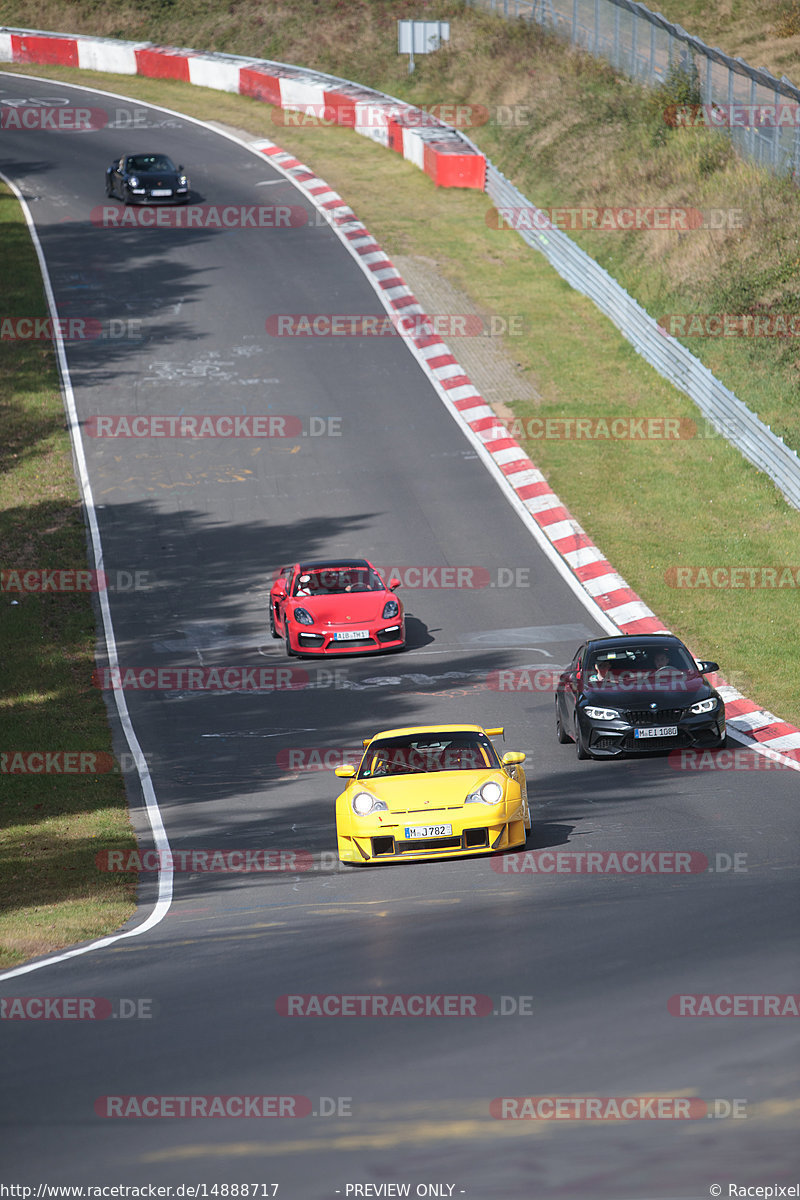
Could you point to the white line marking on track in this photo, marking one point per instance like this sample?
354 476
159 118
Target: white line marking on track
161 843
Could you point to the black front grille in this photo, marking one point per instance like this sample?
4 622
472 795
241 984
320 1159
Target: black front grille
474 839
653 716
382 845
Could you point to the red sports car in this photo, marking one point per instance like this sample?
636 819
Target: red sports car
336 606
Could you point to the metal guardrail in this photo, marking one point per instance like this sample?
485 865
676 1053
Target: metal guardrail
724 411
644 45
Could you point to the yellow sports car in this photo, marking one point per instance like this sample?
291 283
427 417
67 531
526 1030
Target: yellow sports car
431 791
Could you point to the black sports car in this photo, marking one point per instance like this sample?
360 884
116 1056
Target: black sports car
630 693
147 179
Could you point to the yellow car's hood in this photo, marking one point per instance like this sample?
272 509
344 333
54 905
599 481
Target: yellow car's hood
440 789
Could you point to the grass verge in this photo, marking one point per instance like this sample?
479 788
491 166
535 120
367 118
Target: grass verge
51 825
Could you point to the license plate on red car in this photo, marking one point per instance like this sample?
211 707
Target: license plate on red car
657 731
428 831
351 635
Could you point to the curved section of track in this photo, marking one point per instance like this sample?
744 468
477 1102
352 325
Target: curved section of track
582 963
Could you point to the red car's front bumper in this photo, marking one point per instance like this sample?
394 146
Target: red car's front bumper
321 642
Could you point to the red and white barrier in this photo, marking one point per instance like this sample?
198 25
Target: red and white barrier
436 148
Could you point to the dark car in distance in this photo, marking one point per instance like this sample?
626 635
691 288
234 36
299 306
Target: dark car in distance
147 179
629 694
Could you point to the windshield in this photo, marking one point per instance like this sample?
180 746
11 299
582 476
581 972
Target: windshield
335 581
428 753
150 162
642 667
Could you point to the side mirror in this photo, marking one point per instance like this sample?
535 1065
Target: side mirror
706 667
394 583
345 772
513 758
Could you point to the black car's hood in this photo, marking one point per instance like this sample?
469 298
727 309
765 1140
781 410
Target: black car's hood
157 176
676 691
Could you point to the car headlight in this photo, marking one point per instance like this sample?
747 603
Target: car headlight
390 609
704 705
303 616
134 181
602 714
365 803
489 793
183 181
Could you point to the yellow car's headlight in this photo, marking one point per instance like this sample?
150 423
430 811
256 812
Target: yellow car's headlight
489 793
365 803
